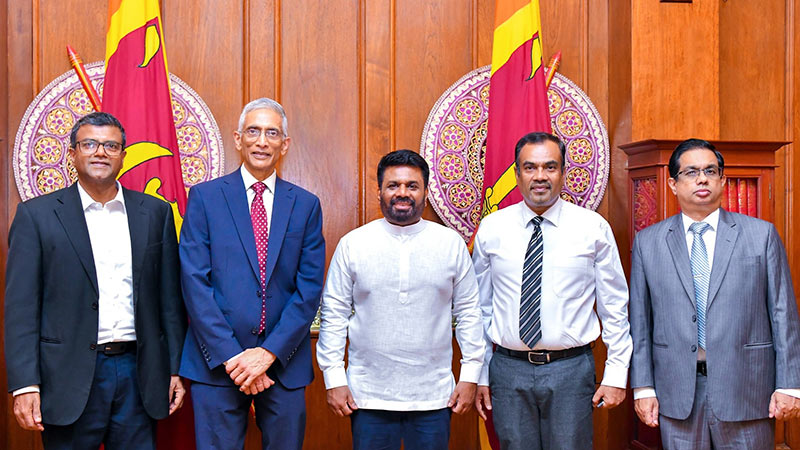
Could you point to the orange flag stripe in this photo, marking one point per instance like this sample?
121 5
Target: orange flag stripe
515 31
505 9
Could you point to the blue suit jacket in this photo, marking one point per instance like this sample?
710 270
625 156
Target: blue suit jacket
221 286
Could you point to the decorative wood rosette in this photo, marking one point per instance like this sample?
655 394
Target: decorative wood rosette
40 149
454 145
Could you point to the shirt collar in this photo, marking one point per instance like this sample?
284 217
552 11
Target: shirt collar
87 200
551 215
250 180
711 219
407 230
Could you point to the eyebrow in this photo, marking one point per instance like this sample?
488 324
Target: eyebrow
698 168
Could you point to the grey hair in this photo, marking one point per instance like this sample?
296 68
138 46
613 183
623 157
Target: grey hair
265 103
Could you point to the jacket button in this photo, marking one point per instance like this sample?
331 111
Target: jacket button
258 293
694 348
94 306
254 331
92 346
694 318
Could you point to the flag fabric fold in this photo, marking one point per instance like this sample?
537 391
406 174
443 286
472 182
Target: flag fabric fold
517 106
517 96
136 91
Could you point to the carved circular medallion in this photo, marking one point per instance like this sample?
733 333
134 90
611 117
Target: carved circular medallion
454 144
40 157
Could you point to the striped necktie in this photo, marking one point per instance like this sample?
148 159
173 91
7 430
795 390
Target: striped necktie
701 274
530 330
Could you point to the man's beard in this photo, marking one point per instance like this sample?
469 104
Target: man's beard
404 217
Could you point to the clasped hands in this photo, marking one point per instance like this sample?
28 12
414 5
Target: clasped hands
249 370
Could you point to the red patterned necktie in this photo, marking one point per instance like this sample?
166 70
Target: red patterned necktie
258 214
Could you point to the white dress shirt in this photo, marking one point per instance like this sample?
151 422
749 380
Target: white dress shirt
111 249
394 290
110 238
710 239
581 268
269 192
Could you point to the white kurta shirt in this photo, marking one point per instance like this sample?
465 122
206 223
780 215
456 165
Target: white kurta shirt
394 290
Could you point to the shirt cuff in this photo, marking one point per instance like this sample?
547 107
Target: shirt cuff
615 376
470 373
26 390
792 392
335 377
233 357
643 392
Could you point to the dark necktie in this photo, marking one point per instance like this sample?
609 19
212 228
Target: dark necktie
258 214
530 330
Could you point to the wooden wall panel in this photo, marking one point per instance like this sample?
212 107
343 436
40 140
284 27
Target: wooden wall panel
4 200
205 48
53 33
675 47
752 70
320 76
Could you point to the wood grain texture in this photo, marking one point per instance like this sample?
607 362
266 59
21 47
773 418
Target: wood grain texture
320 91
5 184
752 70
675 55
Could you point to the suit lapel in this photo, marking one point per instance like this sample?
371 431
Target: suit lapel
137 225
236 198
723 248
282 205
70 213
676 243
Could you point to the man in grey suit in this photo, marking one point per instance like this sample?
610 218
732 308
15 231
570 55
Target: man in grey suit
716 336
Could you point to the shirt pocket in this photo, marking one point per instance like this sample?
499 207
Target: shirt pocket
571 276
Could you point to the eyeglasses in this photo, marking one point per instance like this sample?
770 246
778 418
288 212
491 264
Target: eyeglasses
710 173
252 134
89 147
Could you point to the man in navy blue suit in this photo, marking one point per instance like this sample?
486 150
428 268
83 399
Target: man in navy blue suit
252 266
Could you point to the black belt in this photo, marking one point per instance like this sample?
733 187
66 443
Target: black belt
117 348
701 368
539 357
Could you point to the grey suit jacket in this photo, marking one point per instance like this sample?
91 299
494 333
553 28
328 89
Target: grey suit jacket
752 326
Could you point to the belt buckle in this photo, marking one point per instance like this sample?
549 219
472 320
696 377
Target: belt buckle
538 363
113 350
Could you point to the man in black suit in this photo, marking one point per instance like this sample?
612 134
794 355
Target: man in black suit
94 319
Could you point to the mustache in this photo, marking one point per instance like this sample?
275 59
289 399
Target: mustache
541 183
408 200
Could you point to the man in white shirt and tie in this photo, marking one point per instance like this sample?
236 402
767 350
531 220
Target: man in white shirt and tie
542 265
393 287
94 317
713 317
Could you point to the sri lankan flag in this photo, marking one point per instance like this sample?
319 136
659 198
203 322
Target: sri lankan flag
517 96
136 91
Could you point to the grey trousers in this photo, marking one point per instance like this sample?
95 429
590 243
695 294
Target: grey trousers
703 431
543 407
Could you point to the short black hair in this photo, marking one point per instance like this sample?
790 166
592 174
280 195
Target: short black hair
692 144
98 119
403 157
540 137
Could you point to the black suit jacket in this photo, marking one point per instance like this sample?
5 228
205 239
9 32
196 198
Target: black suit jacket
51 309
